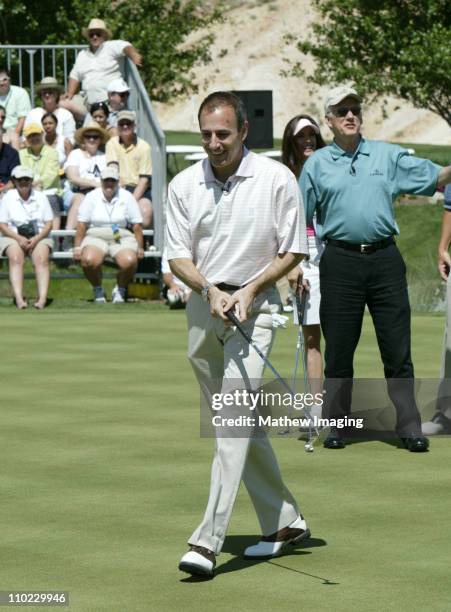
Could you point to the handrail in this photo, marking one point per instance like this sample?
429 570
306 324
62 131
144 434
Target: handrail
148 128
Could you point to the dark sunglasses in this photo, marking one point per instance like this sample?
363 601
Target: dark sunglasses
92 136
93 33
342 111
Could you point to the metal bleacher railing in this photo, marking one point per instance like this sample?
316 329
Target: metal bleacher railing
31 63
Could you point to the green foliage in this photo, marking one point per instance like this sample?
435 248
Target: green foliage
384 47
157 28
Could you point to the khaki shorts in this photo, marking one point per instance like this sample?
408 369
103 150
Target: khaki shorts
6 242
102 239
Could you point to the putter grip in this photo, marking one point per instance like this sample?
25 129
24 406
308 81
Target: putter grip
232 317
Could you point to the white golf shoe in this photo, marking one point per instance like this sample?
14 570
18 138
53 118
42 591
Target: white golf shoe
278 542
198 561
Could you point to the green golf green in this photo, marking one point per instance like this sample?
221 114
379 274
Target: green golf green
104 476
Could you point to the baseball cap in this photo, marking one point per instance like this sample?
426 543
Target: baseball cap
118 86
33 128
126 115
303 123
19 172
110 172
337 94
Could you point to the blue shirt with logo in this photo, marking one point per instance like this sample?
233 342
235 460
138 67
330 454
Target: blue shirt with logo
353 194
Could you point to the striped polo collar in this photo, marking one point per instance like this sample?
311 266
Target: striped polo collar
246 168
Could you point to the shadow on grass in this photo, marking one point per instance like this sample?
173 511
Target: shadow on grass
235 545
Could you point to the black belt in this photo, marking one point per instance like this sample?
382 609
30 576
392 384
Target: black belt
227 287
362 248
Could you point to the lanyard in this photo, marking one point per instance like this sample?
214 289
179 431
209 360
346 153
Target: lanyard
108 211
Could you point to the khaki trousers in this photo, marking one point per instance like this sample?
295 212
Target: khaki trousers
221 358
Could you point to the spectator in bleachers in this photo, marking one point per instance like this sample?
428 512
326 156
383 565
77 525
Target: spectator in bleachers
25 225
44 163
50 91
103 219
9 158
83 168
63 146
16 101
96 67
132 155
101 113
118 94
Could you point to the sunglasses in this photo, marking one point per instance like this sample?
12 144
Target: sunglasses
93 33
2 117
92 136
342 111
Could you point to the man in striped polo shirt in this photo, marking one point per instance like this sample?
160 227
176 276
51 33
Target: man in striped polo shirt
235 225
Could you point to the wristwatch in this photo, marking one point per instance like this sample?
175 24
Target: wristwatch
205 290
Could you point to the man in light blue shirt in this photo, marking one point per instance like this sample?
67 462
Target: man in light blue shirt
352 185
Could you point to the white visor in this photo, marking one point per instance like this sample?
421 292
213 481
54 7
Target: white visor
302 123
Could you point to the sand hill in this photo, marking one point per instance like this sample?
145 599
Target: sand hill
249 53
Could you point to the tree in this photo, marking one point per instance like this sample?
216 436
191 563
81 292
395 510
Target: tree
157 28
397 48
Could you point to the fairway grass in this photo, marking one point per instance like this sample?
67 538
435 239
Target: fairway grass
103 478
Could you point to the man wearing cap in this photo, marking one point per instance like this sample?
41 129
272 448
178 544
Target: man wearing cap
118 93
133 156
103 219
50 91
441 421
16 101
352 185
234 227
44 162
9 158
97 66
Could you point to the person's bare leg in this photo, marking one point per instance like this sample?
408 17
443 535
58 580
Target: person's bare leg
91 262
16 259
71 222
314 360
40 259
127 262
145 206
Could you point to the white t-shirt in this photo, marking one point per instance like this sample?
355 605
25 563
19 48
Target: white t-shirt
233 232
89 166
95 70
66 121
98 212
14 211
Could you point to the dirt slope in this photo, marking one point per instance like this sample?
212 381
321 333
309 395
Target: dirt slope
249 53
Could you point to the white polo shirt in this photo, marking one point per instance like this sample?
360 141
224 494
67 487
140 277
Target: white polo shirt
98 212
14 211
95 70
89 166
66 122
233 232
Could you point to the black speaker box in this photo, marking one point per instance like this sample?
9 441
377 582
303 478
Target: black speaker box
259 113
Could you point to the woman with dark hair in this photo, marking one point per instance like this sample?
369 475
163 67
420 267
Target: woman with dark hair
63 145
100 112
301 139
